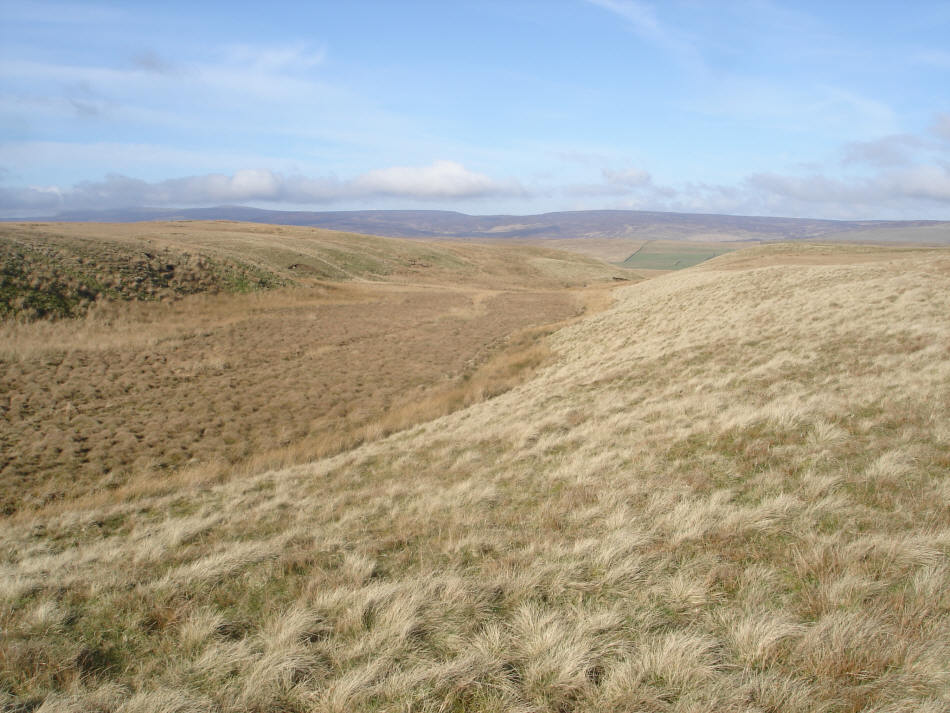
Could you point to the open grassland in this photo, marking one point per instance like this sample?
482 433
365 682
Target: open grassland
642 253
670 255
62 269
728 492
613 250
209 382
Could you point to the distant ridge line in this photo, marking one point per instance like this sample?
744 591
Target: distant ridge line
648 225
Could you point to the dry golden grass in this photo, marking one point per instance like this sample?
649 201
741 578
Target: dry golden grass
729 492
210 382
61 269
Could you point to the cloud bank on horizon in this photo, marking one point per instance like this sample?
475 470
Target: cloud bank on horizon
752 106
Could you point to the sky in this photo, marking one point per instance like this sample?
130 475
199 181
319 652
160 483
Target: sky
753 107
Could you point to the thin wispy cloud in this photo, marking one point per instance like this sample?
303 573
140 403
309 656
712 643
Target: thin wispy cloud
631 177
642 18
941 126
894 150
937 58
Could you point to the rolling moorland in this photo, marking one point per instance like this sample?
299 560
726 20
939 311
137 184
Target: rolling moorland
722 489
609 235
214 345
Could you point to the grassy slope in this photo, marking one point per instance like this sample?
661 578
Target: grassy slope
373 335
60 269
669 254
729 493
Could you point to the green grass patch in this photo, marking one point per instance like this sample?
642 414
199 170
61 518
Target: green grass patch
668 255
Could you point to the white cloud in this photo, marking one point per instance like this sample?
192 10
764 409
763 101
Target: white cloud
905 192
441 179
289 58
893 150
630 178
632 184
437 181
941 126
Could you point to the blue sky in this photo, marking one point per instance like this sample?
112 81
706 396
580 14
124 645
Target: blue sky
814 109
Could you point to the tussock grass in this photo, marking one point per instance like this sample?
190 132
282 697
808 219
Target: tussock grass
726 492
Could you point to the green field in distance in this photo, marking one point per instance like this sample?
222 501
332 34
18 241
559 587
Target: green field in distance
673 255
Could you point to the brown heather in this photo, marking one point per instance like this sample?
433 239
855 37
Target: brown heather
727 492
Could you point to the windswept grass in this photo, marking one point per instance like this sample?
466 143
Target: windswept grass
727 493
55 270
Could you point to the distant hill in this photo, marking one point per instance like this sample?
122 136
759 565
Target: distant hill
602 224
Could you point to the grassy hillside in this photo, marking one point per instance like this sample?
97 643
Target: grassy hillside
729 492
368 335
62 269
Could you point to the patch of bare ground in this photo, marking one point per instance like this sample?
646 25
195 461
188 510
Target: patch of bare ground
727 492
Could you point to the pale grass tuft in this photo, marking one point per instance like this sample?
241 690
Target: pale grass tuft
848 590
758 585
850 647
163 701
105 697
930 584
826 435
221 661
911 705
889 467
757 637
48 615
278 675
684 592
771 691
14 586
215 568
200 626
346 692
678 660
358 568
291 628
